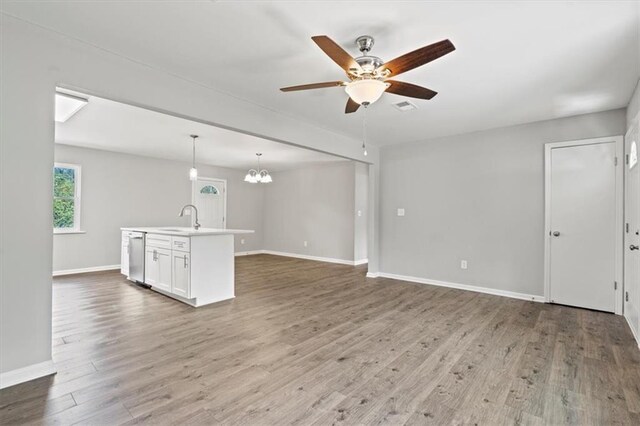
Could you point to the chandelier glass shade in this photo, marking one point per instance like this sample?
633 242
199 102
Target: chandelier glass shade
366 91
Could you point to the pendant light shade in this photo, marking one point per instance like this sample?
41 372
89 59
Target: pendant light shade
258 175
193 172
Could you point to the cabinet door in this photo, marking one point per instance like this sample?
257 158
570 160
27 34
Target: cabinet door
124 257
163 257
181 274
150 266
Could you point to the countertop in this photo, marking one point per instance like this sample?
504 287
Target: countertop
187 231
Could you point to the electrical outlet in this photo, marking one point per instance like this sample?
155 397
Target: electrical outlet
242 241
463 264
304 243
359 213
400 212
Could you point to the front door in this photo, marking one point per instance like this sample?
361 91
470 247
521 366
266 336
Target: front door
209 196
582 225
632 228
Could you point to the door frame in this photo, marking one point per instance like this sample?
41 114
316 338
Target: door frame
634 125
224 193
619 278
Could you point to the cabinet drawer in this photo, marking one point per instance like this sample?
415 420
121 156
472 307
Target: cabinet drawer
159 241
180 243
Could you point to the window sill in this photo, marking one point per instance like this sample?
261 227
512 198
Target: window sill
75 231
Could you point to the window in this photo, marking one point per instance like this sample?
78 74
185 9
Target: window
209 189
66 198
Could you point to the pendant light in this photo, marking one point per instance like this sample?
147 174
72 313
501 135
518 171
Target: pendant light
258 175
193 172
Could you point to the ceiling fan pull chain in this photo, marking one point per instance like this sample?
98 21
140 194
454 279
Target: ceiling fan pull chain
364 129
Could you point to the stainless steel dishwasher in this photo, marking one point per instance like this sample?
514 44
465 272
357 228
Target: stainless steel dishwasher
136 256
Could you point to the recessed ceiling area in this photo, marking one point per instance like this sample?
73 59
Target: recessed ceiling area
515 62
114 126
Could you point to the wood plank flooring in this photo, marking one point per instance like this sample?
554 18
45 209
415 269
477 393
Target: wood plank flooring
312 343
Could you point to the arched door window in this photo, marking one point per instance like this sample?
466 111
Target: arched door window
209 189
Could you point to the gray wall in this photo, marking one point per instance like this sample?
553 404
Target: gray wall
120 190
634 105
477 197
360 199
314 204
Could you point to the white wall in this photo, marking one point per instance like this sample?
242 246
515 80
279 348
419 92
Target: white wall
35 61
477 197
121 190
313 204
634 106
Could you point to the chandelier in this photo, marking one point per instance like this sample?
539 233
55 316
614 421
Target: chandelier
258 175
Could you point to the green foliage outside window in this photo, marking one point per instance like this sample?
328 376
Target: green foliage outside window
64 189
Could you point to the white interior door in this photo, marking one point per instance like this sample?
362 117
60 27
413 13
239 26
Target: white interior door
210 197
582 225
632 228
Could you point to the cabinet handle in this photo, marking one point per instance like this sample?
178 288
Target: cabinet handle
185 261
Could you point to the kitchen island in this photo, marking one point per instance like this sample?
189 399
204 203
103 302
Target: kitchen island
193 266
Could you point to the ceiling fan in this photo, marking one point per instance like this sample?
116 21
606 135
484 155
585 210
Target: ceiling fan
369 75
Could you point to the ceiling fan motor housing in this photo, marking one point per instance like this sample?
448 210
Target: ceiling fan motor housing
368 63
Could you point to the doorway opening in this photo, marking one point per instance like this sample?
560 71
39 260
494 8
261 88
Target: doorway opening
136 168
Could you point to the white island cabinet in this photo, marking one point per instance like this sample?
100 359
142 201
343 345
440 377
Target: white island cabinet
195 267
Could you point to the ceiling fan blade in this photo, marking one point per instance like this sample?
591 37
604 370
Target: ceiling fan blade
313 86
410 90
352 106
336 53
418 57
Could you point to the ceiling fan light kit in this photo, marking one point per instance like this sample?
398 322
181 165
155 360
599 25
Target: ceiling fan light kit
366 91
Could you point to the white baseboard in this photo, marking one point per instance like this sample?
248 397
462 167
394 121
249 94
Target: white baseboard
24 374
373 274
306 257
360 262
83 270
468 287
247 253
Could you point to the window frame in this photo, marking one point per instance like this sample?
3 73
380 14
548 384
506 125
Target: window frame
77 199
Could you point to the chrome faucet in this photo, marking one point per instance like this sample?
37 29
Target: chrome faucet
196 225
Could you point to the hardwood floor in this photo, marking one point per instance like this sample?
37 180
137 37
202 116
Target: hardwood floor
314 343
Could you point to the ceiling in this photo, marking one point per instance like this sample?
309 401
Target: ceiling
113 126
516 62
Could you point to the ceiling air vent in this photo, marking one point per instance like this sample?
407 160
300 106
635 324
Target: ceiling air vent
404 106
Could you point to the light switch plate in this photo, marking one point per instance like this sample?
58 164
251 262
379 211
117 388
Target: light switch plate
463 264
400 212
242 241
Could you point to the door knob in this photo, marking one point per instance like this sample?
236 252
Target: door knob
556 233
632 247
